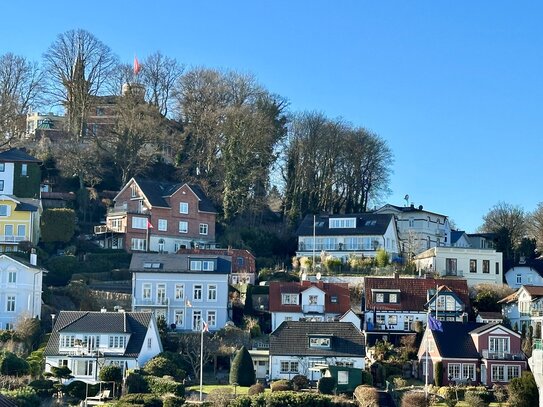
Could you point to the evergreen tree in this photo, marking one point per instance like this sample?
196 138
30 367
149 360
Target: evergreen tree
242 371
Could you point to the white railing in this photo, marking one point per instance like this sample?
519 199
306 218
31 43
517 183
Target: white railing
314 309
12 238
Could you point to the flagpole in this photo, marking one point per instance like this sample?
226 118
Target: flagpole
426 360
201 358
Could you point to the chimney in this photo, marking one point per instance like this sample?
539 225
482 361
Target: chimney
33 257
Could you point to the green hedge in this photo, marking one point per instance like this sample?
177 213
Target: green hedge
23 397
291 399
57 225
326 385
138 399
160 386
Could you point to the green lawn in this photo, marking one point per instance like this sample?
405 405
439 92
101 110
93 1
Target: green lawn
210 387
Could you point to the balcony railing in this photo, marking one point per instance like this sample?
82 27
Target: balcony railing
338 247
12 238
313 309
102 229
124 209
503 355
155 302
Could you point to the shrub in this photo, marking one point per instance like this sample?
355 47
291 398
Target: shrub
23 397
60 269
281 385
78 389
57 225
146 400
366 396
399 382
43 388
473 400
449 395
438 374
256 389
326 385
12 365
382 258
367 378
173 401
242 371
300 382
500 393
111 373
523 391
480 392
414 399
291 399
160 386
220 397
161 365
135 383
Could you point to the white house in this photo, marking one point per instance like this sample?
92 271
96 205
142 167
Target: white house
524 308
476 266
341 236
305 300
419 229
184 289
86 341
296 347
20 290
527 272
392 305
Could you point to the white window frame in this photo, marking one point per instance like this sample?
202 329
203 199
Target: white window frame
468 371
139 222
180 292
212 292
163 225
380 297
23 230
161 293
146 291
179 317
494 344
183 226
343 377
196 319
204 228
196 265
212 318
495 373
290 299
454 371
208 265
138 244
342 223
184 208
5 210
319 342
12 276
11 303
197 292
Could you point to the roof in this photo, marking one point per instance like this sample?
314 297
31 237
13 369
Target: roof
455 341
340 290
157 192
533 290
17 155
135 323
456 235
20 260
27 205
408 209
535 264
6 402
248 266
292 338
370 224
177 263
413 291
490 315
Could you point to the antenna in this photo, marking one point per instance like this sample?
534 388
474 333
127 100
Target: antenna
406 198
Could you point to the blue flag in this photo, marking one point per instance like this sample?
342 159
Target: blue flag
435 324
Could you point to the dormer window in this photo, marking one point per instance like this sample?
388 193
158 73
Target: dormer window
313 299
133 191
370 223
289 299
152 265
117 341
342 223
319 342
387 296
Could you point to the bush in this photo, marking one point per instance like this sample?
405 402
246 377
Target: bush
523 391
160 386
382 258
399 382
500 393
414 399
160 366
473 400
135 383
300 382
242 371
367 378
173 401
480 392
23 397
220 397
146 400
43 388
60 269
12 365
57 225
256 389
281 385
366 396
290 399
326 385
111 373
78 389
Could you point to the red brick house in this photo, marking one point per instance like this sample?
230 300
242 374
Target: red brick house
310 301
473 352
159 216
243 263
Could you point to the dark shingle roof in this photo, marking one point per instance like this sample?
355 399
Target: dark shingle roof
456 235
27 205
17 155
369 224
157 192
490 315
135 323
455 341
177 263
292 338
413 291
5 402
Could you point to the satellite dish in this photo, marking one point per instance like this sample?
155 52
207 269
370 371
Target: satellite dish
318 276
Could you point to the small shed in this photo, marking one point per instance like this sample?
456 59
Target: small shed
347 378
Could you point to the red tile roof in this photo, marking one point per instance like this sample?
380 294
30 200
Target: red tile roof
534 290
413 291
341 290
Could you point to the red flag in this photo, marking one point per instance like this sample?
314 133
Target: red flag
137 66
149 225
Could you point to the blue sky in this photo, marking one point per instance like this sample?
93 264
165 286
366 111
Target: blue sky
455 88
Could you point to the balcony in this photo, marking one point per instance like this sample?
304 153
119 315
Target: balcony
103 229
453 273
124 209
503 355
157 302
537 313
313 309
12 238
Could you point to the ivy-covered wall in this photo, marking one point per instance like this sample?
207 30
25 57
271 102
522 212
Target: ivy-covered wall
27 186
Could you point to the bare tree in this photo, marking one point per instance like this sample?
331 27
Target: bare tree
159 75
20 89
78 66
189 348
535 225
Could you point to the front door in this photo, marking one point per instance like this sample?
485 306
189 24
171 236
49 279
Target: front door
483 374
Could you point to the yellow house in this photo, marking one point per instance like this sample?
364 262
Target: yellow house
19 221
